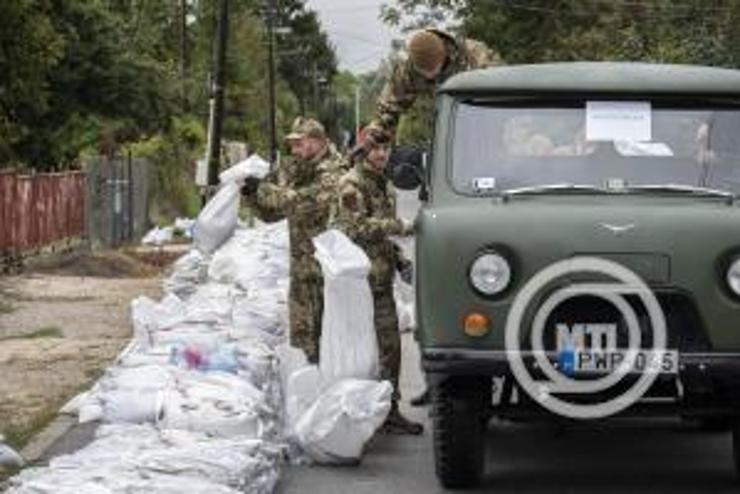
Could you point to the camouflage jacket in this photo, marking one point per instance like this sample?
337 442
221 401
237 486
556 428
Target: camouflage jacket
365 210
406 84
301 192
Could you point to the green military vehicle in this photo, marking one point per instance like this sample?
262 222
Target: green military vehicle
578 250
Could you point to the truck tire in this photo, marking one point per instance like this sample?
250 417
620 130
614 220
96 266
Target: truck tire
460 410
735 426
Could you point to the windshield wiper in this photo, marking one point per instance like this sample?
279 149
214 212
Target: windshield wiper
681 189
555 189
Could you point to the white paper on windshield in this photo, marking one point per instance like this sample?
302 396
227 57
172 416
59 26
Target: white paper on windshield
618 121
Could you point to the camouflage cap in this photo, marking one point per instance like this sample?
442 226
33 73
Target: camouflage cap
426 50
306 127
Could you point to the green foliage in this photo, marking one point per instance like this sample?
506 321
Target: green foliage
173 155
307 60
92 77
705 32
89 76
526 31
31 47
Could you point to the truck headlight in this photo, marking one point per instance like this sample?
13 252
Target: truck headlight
733 277
491 273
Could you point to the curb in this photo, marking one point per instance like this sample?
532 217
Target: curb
34 451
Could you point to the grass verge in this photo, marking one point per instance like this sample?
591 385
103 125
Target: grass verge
45 332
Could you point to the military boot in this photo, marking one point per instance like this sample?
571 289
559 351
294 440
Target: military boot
397 424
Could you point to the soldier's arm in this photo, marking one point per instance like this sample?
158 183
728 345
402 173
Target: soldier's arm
269 201
397 96
351 216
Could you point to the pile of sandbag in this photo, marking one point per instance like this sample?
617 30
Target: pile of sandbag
208 393
144 459
194 403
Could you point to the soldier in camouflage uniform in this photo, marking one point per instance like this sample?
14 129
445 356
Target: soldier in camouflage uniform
433 57
366 212
301 190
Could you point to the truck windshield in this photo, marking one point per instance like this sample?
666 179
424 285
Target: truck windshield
499 148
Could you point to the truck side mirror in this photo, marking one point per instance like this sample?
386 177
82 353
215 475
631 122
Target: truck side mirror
406 167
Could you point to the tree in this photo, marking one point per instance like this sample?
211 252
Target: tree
307 60
705 32
31 47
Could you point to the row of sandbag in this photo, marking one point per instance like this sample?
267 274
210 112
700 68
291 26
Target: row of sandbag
194 403
142 459
204 361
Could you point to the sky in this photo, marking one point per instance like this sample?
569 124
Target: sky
359 36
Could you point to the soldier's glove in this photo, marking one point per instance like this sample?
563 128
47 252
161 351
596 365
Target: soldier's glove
291 197
250 186
405 270
371 138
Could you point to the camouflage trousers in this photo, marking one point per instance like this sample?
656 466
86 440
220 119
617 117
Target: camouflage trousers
305 307
389 338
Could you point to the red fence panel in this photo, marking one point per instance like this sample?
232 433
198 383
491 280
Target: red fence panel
39 210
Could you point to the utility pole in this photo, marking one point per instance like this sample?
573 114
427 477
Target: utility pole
217 94
271 77
183 52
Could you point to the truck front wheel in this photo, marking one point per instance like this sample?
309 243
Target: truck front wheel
460 410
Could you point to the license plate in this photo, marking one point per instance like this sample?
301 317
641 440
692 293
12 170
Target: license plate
609 361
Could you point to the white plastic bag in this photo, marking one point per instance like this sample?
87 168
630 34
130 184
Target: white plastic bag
349 344
301 392
254 166
340 422
217 221
8 457
158 236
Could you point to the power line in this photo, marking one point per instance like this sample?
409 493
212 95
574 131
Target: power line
654 10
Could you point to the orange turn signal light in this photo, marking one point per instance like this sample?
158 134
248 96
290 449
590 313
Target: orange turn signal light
476 324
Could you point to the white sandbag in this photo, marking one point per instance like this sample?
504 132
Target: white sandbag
187 272
8 456
219 404
349 344
126 394
339 256
158 236
184 227
254 166
217 221
132 407
141 459
301 391
261 317
343 418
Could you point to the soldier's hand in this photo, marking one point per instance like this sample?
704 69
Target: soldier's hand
372 137
359 152
250 186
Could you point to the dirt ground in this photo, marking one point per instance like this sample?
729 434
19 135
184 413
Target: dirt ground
59 329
